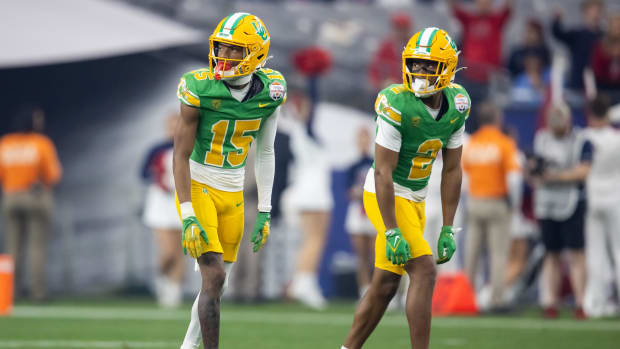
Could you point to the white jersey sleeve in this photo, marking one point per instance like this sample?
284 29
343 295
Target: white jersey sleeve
456 139
266 161
388 136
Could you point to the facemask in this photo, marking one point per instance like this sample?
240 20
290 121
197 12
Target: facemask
422 88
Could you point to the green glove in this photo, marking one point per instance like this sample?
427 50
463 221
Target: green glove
396 248
193 238
446 244
261 230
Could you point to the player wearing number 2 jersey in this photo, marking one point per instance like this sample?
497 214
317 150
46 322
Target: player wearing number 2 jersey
224 108
415 120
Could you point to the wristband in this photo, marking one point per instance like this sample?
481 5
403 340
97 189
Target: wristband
187 210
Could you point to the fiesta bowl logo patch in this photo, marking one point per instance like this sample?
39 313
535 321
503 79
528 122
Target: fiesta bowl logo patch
461 102
276 91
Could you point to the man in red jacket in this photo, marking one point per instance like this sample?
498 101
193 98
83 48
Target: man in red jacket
482 36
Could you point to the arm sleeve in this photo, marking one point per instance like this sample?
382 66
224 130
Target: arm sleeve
514 177
456 139
504 15
186 93
266 161
388 136
51 166
514 183
586 152
460 14
511 157
558 31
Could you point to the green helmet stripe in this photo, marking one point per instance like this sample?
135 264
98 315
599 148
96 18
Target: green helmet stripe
417 43
224 23
430 41
232 21
426 38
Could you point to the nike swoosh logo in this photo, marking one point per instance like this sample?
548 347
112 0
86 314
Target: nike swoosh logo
239 204
453 120
261 105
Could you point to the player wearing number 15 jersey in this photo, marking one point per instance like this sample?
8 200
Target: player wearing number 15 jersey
415 120
224 108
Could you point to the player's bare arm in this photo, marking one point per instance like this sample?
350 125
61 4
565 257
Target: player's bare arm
385 163
451 177
194 238
184 137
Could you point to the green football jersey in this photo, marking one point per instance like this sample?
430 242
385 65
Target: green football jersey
422 136
227 127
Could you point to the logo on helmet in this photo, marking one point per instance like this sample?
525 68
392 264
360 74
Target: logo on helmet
260 30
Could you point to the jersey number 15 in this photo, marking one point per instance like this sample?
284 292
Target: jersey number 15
239 141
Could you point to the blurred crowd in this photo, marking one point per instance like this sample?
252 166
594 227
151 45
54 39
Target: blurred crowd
540 219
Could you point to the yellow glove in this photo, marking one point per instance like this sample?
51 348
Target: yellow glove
194 239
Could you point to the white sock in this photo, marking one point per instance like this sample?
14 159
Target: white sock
343 347
193 335
159 284
228 268
174 294
304 279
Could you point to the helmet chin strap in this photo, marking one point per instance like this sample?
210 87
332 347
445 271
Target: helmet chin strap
238 80
419 87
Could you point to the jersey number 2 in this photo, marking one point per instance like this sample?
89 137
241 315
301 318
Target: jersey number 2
239 140
421 165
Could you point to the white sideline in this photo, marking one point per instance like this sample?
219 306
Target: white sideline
305 318
83 344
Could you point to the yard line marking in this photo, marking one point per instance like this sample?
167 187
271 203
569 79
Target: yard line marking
303 318
83 344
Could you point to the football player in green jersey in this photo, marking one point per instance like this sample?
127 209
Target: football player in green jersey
224 108
415 120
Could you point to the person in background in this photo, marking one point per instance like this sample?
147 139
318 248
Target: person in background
558 176
490 160
482 36
29 169
523 229
530 86
606 57
357 224
533 43
310 196
579 41
385 66
603 216
160 215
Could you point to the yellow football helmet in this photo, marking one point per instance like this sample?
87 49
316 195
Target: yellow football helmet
240 29
430 44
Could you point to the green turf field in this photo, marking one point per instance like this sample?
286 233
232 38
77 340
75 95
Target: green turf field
139 324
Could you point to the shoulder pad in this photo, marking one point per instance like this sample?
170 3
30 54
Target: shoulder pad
462 102
192 84
276 84
272 74
385 108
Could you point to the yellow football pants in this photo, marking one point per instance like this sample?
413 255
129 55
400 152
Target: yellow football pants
220 213
410 219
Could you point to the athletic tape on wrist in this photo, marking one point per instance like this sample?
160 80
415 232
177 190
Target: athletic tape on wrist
187 210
